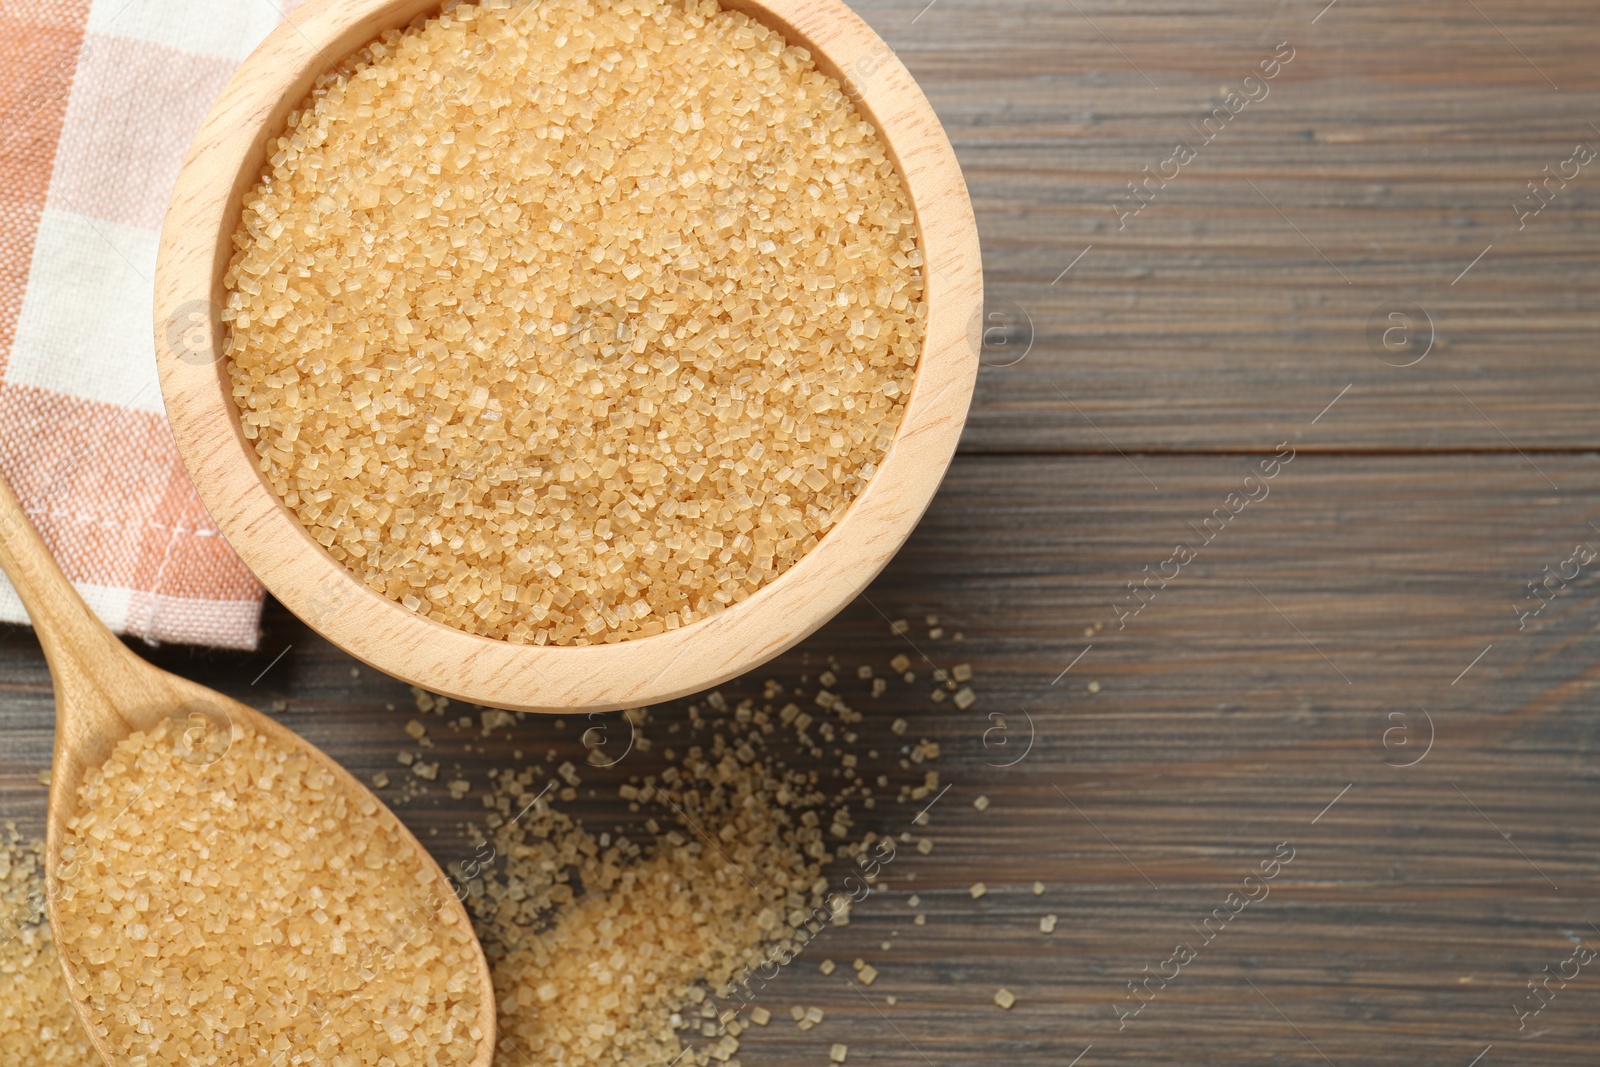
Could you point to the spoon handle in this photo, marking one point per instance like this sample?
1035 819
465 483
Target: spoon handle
78 646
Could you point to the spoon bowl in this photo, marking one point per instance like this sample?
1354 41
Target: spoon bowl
104 693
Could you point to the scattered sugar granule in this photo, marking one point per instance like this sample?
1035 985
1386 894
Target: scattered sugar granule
380 780
543 357
1094 687
425 771
920 920
814 1015
965 698
459 787
1047 925
900 664
797 1013
864 672
936 633
868 974
1004 998
415 730
891 1000
557 899
827 967
981 803
837 1053
44 777
978 889
899 727
260 873
961 672
915 901
925 845
38 1025
760 1016
899 626
1038 889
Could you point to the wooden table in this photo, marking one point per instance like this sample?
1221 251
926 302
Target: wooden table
1344 664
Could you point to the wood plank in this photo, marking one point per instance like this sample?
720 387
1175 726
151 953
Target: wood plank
1385 157
1220 725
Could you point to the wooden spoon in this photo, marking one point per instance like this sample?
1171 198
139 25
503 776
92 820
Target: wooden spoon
104 692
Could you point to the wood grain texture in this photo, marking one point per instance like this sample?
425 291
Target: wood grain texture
1395 144
1406 927
225 162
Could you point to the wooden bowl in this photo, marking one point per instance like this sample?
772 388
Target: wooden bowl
225 163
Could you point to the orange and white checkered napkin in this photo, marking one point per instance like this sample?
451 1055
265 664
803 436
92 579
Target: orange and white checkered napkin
98 102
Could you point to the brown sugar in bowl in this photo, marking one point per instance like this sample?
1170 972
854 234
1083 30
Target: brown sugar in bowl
224 164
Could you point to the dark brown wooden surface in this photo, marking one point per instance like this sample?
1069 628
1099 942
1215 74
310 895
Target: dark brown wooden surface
1305 654
1386 156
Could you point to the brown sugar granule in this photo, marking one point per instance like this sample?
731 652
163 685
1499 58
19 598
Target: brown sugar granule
596 948
228 912
38 1025
1005 999
609 952
575 321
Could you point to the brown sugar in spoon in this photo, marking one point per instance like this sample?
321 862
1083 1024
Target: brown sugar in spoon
104 693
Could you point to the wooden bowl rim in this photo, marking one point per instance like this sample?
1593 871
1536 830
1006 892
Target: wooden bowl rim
223 164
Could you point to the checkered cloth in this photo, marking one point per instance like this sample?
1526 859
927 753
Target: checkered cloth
98 102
